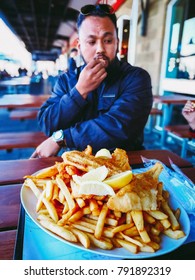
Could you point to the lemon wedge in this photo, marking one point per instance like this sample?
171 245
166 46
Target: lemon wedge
103 153
95 188
119 180
97 174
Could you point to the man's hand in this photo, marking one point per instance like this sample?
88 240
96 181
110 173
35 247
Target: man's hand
189 113
47 148
91 77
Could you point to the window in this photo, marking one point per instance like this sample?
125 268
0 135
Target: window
178 72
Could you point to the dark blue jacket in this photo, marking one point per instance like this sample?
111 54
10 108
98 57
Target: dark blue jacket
112 116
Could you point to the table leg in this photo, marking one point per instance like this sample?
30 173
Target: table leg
166 119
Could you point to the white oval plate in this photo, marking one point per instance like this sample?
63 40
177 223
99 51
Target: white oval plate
168 245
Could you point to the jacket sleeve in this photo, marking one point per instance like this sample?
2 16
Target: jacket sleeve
121 124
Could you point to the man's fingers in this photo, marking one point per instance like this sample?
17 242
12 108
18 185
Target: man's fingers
34 154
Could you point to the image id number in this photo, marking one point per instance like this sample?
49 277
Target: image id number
143 270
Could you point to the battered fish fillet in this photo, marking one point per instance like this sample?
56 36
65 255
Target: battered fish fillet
140 194
86 162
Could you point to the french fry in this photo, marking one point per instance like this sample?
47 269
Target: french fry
88 220
61 231
147 248
106 231
148 218
43 212
175 234
131 231
154 245
139 222
82 228
96 212
55 191
100 243
138 219
82 237
86 210
65 192
117 214
85 224
29 183
115 243
101 222
108 221
61 197
159 215
166 224
122 228
79 214
159 226
128 218
155 231
144 235
128 245
165 195
174 222
40 183
155 238
44 217
49 189
51 209
93 205
76 216
81 203
132 240
65 218
177 213
47 172
66 208
40 201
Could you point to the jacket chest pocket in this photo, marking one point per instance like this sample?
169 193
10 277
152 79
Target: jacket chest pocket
105 102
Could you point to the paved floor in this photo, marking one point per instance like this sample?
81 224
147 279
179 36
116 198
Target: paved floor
152 140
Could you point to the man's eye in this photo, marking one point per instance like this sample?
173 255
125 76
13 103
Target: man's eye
108 41
91 42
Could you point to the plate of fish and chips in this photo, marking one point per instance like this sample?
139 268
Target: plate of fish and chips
82 202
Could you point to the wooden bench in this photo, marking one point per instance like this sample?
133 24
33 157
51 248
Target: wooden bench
182 134
7 244
11 140
23 114
9 206
9 215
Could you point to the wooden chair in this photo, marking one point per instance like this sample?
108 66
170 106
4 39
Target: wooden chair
154 113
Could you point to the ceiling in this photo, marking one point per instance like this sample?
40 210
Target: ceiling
43 25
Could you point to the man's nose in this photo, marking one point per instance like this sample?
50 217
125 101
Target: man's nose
100 47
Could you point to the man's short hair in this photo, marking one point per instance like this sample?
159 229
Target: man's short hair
101 10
